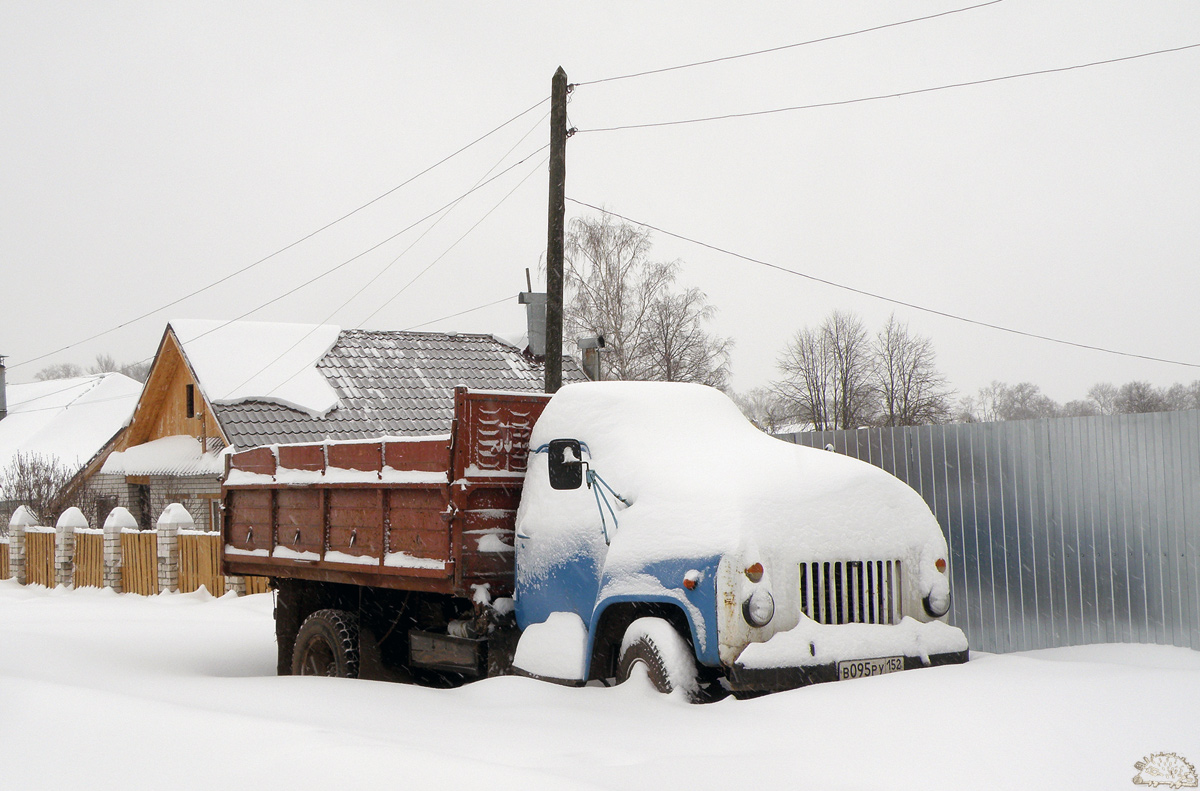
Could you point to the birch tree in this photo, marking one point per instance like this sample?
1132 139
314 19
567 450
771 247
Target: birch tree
912 392
828 374
652 331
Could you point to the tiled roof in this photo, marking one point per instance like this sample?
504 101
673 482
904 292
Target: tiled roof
391 383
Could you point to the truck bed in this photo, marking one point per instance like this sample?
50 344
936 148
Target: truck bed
431 514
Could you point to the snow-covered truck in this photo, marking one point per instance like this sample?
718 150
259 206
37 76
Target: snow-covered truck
614 528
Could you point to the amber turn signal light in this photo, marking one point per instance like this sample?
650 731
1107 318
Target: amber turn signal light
754 573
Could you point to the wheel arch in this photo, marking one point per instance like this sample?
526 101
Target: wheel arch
613 617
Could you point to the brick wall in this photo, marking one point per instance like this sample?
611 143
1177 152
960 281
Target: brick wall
195 493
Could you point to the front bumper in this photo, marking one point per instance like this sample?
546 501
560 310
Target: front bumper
810 652
777 679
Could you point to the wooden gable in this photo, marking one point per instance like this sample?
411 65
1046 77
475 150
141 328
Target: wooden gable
165 408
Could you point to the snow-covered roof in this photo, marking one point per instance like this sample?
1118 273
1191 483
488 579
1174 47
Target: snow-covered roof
240 361
177 455
66 419
387 383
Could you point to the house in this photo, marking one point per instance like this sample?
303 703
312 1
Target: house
56 426
220 385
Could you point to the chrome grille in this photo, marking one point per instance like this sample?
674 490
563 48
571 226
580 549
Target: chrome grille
851 591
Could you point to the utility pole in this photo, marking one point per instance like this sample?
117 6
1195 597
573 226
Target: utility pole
554 230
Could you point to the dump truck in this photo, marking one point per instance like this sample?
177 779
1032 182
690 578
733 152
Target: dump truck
613 529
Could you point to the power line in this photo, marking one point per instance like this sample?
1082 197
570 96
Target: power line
913 92
304 238
883 298
281 355
452 208
373 247
406 329
348 261
16 410
461 313
786 46
456 241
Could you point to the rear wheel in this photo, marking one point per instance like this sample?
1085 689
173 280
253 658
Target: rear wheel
327 645
653 644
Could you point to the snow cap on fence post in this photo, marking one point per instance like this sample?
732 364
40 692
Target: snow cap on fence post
174 517
21 519
118 519
64 544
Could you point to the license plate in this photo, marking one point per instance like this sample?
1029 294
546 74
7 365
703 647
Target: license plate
862 668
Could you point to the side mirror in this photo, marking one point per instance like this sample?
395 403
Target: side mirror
566 464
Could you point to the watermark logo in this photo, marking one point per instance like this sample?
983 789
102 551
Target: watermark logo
1165 769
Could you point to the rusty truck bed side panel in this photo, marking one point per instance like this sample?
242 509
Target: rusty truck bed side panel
426 514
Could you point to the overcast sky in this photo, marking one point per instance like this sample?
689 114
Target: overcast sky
149 149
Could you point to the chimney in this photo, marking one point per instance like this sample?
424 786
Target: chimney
535 314
3 391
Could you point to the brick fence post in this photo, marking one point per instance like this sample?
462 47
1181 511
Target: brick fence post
21 519
235 585
174 517
64 545
118 518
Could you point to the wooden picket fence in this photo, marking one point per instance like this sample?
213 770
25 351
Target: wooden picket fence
139 562
39 558
192 560
89 559
200 562
257 585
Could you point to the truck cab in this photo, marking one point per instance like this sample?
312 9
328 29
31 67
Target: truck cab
659 529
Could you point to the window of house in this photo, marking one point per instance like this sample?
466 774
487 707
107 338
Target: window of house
104 506
190 392
139 502
214 515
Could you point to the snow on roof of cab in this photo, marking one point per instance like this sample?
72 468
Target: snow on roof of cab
242 361
700 478
66 419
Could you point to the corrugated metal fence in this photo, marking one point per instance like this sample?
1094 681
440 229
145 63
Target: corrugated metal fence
1062 531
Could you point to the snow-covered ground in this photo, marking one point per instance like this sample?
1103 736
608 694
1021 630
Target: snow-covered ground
101 691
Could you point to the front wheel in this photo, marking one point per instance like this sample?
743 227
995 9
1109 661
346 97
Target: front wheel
327 645
652 643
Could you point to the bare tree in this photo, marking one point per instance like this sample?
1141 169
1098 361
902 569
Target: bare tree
1079 408
1179 396
37 482
807 370
828 374
105 363
675 346
139 370
1104 396
1138 397
765 409
1000 401
911 389
653 332
59 371
1025 401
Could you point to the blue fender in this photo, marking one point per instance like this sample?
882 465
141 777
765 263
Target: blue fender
662 582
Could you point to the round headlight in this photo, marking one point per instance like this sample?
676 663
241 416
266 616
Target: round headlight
759 609
937 606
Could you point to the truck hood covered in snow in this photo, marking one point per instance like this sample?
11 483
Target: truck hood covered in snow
703 482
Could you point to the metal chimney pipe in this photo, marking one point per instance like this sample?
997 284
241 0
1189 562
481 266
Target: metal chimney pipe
535 313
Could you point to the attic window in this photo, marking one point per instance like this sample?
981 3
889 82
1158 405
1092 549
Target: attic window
191 400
